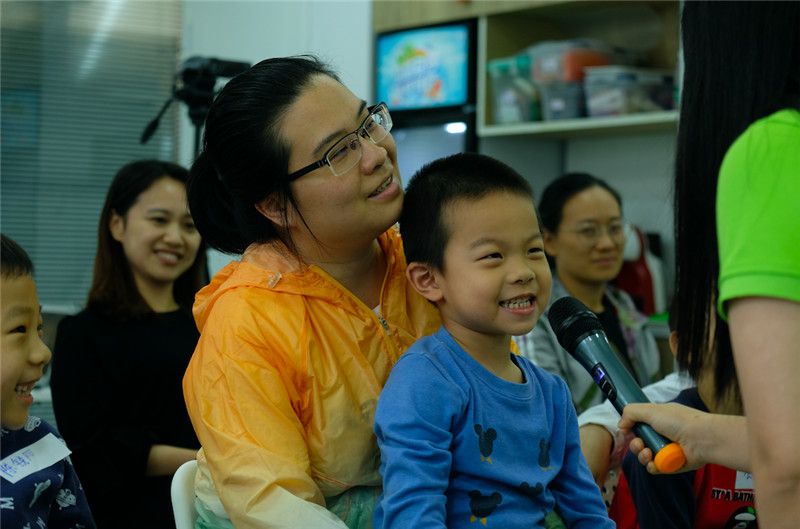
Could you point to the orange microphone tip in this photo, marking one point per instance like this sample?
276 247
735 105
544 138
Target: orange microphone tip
670 458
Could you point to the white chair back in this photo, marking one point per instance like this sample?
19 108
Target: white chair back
182 491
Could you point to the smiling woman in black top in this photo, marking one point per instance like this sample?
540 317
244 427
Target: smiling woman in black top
118 364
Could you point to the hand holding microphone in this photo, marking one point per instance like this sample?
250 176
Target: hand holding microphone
579 332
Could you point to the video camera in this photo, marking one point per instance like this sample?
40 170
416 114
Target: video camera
199 77
194 85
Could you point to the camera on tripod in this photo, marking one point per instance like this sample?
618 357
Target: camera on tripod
199 77
194 85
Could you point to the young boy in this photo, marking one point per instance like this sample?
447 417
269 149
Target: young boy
468 430
711 496
39 485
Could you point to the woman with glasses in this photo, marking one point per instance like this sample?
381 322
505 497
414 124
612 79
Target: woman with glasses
584 236
299 176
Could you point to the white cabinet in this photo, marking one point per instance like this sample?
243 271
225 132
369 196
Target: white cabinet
647 27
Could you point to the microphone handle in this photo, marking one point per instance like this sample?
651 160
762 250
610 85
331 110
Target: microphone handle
621 389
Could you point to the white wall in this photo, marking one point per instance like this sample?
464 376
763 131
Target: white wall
338 31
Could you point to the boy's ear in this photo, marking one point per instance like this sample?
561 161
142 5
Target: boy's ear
423 279
271 208
550 245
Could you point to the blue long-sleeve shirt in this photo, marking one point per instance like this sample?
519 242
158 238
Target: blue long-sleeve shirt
459 444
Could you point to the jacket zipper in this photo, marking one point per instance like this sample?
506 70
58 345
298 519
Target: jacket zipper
385 325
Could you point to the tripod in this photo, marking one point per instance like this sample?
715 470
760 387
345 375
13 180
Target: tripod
194 85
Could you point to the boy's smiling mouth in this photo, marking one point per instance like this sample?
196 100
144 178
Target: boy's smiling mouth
518 303
24 389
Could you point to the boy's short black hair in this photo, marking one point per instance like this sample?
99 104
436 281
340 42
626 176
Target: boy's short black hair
438 184
14 261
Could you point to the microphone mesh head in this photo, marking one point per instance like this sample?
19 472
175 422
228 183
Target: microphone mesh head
571 321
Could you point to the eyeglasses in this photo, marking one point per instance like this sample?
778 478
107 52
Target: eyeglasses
346 152
589 235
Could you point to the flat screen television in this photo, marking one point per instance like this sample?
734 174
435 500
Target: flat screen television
427 69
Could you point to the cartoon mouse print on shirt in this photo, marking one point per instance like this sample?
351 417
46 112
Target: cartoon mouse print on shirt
534 491
482 506
485 442
479 505
531 490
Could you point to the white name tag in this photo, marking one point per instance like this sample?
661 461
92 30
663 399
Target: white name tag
744 481
43 453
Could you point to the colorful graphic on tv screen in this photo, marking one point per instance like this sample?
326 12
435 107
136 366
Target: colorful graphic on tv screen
423 68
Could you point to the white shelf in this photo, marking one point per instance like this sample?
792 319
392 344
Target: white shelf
644 123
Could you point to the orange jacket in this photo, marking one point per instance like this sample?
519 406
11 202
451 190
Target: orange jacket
283 384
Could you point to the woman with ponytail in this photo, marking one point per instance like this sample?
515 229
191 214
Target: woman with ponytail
300 177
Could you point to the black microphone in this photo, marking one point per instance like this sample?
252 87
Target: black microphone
579 332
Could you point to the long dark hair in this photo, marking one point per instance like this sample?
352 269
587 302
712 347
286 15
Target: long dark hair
244 157
113 291
742 63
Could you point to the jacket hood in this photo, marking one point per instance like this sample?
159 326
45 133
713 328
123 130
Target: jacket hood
272 266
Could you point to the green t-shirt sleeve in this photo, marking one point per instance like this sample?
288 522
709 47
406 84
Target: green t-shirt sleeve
758 212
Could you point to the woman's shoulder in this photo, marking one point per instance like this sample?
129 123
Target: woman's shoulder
769 146
784 118
619 297
623 302
780 130
85 319
251 302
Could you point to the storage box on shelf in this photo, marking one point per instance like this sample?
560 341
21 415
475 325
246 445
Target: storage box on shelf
565 60
558 71
563 100
647 28
616 90
515 96
548 74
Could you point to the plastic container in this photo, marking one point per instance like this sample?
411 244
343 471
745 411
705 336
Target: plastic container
616 90
565 60
515 97
563 101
